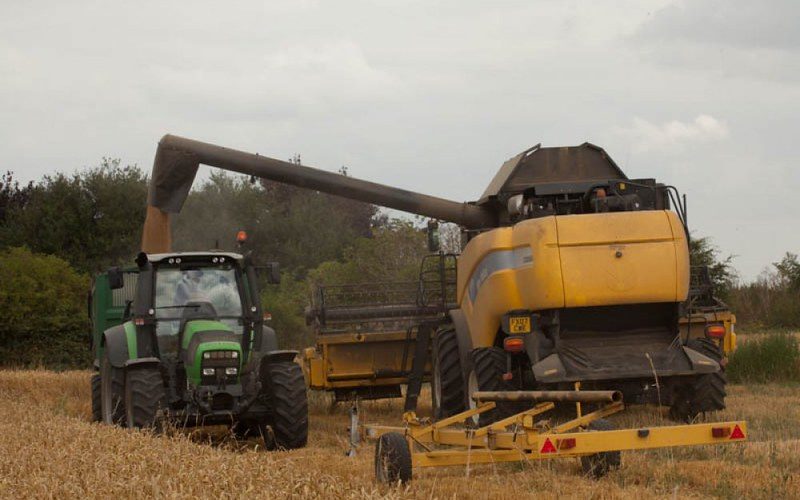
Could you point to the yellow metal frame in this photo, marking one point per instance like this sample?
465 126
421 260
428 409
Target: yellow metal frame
520 437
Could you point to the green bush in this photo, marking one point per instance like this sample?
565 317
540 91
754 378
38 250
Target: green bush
43 316
770 358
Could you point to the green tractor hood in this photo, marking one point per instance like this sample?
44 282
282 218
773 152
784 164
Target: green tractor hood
205 336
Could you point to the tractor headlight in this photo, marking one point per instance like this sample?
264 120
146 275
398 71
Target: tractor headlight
208 371
231 370
206 355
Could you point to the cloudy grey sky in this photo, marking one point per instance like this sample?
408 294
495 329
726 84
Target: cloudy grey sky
428 95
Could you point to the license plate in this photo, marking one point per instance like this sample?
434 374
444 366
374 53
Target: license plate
519 324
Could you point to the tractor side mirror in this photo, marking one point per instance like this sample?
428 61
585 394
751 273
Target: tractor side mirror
273 272
115 279
433 236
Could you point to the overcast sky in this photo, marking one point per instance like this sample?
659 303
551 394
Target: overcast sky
430 96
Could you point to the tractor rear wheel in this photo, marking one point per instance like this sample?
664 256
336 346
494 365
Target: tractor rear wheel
145 397
447 386
599 464
287 394
488 367
97 410
703 393
392 459
112 392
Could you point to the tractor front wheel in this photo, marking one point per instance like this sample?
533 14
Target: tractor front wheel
287 394
145 397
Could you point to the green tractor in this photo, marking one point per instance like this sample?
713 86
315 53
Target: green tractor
180 339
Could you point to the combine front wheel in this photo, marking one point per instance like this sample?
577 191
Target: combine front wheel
447 387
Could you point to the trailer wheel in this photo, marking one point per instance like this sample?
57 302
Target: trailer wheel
704 393
145 397
599 464
112 392
97 410
489 365
392 459
287 394
447 386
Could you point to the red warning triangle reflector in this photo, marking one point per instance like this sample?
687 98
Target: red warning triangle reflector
548 447
737 433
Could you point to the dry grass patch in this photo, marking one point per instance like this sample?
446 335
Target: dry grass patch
50 449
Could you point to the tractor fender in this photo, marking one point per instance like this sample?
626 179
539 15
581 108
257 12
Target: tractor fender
269 341
115 342
142 362
280 356
464 340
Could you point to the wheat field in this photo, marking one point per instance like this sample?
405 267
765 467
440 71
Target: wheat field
50 449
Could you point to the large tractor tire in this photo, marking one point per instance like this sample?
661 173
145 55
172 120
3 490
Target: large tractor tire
145 397
704 393
447 386
112 392
287 395
97 408
488 367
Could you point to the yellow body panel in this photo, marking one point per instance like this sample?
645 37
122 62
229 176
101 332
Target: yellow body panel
572 261
353 360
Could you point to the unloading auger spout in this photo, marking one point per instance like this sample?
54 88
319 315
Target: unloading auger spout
178 158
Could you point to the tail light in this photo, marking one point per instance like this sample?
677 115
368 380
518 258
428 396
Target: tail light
514 344
715 331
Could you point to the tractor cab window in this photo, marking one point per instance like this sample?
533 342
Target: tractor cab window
195 293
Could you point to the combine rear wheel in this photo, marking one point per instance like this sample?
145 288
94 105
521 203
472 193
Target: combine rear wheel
145 397
97 405
392 459
704 393
447 386
287 394
112 392
488 367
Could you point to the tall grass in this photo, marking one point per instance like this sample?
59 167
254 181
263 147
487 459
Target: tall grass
768 358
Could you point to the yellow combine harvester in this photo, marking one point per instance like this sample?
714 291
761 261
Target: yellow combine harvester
570 272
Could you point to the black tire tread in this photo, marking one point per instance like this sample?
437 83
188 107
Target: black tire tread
392 459
97 410
489 364
704 393
448 361
144 397
289 403
600 464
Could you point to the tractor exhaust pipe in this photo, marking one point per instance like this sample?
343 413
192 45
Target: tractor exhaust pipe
550 396
176 163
